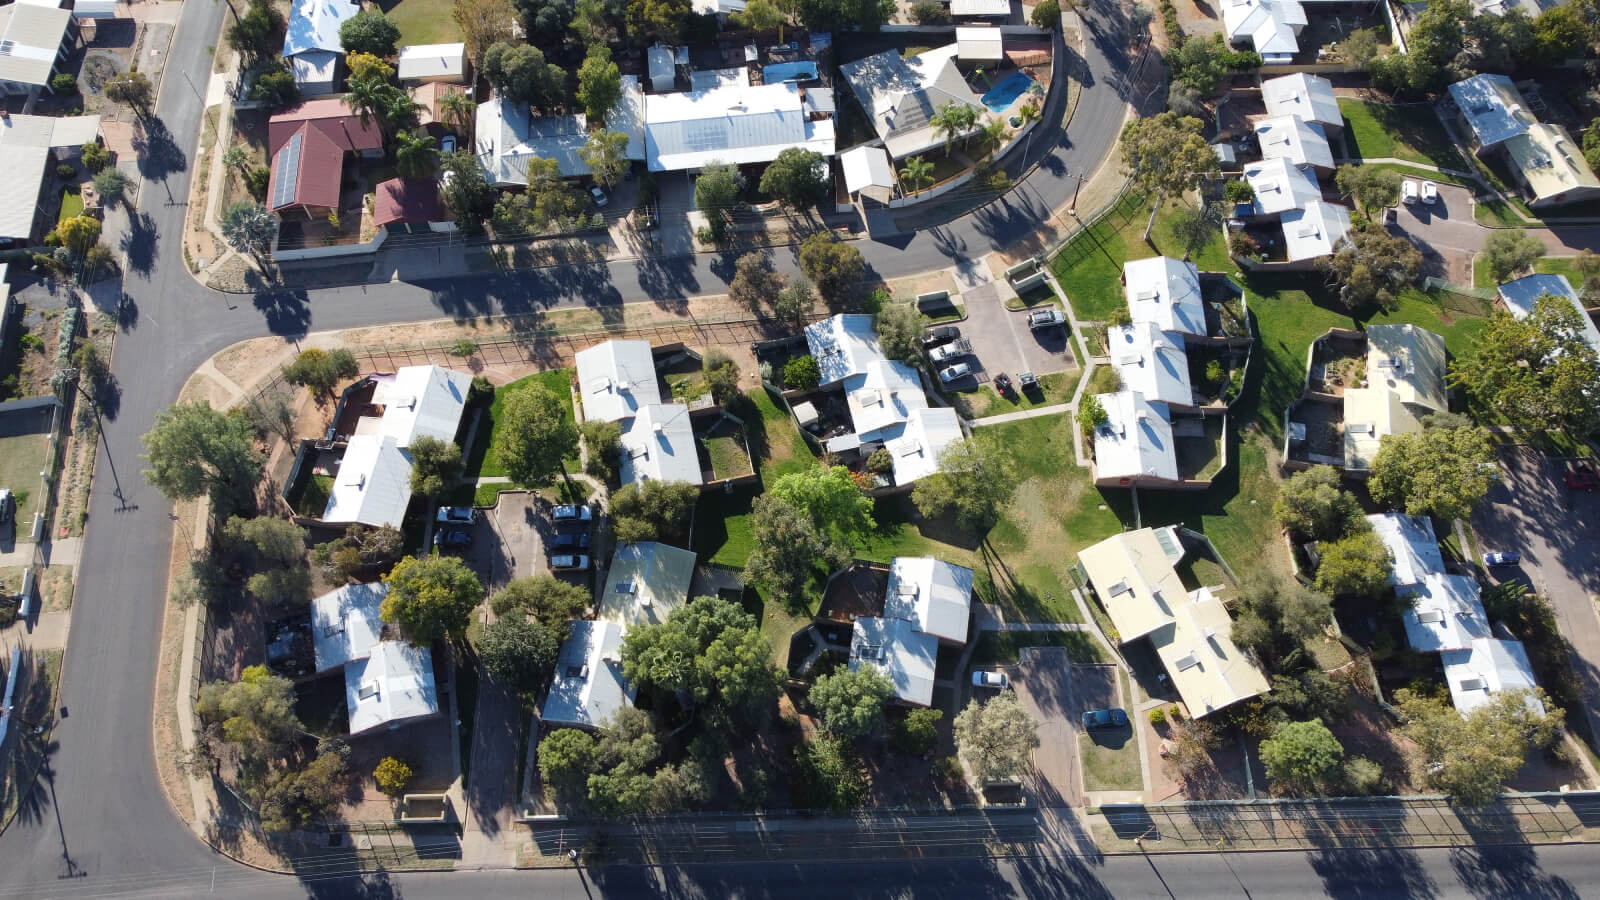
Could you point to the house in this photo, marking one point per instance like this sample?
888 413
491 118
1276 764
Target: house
1542 157
1134 575
1313 231
646 581
868 172
659 445
1410 363
1151 362
1295 140
843 345
588 688
433 63
28 146
901 95
307 144
1488 667
1522 294
926 434
312 44
1445 613
402 202
987 9
1269 27
1411 543
372 484
32 38
616 379
507 134
981 44
928 603
883 397
1135 445
742 125
387 682
1280 187
1307 97
1165 292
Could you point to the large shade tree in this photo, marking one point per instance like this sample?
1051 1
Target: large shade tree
1537 372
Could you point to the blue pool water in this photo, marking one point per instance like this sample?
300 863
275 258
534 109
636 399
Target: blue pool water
777 73
1009 89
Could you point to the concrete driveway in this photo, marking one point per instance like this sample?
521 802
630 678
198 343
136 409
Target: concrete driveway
1057 693
1001 341
508 540
1445 232
1557 531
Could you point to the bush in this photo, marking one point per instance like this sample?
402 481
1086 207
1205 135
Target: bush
1047 14
929 12
464 348
802 373
1239 192
64 83
256 182
1169 20
95 156
881 462
392 776
481 393
66 170
1158 717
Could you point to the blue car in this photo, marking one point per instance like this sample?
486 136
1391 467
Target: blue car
1105 718
452 538
1507 558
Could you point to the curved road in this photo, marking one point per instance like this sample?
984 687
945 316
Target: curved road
97 823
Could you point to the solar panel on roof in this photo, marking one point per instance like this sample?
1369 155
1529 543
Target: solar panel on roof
288 180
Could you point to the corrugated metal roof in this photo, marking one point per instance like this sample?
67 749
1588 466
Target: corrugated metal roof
588 687
314 25
392 685
1493 107
19 191
660 446
373 485
346 624
615 379
866 167
30 43
729 124
422 401
432 61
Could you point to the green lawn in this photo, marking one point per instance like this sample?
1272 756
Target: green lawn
728 459
1411 132
422 21
722 528
1001 648
71 203
22 458
1110 760
982 400
484 461
1103 380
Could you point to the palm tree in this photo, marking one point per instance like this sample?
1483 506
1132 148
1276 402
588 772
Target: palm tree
994 135
1028 112
415 156
918 173
366 97
953 120
458 111
398 112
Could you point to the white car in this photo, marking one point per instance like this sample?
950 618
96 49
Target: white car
1408 191
598 195
947 352
569 562
1430 192
955 373
983 678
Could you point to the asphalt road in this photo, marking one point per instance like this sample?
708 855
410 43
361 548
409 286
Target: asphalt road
97 823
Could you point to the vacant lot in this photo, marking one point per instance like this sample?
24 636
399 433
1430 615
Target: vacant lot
422 21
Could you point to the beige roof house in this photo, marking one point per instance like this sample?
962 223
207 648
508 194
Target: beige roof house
647 581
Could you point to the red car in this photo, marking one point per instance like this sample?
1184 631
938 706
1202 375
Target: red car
1582 478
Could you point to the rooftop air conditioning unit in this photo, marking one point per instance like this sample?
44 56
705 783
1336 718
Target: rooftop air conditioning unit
369 690
658 429
1188 662
1430 617
1473 684
624 587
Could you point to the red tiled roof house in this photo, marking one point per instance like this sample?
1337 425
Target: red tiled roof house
307 144
409 204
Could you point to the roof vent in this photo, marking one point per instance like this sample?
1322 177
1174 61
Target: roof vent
1473 684
658 429
625 586
1430 617
1120 588
369 690
1188 662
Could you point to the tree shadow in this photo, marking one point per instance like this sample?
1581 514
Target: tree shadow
1508 870
141 243
157 151
1361 873
286 310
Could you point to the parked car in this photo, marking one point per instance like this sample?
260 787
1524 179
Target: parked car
1582 477
7 506
598 195
1046 318
568 541
1002 384
1027 382
1409 191
955 373
570 513
569 562
1430 192
457 515
947 352
447 144
452 538
987 679
1105 718
944 334
1503 558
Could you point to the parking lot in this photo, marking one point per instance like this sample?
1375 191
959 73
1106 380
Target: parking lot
1445 232
1057 693
1001 341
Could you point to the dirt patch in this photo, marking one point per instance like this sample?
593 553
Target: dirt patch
200 387
247 361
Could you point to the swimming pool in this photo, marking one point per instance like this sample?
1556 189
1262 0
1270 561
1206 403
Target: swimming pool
1001 96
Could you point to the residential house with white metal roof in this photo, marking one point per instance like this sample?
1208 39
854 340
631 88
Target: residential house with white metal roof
312 44
587 688
658 444
32 37
1309 97
1151 362
372 485
421 401
1294 139
1165 292
1413 547
1135 445
423 63
1269 27
1314 230
28 146
1280 187
869 172
1488 667
616 379
928 602
915 450
901 95
1410 362
1521 295
645 582
1543 156
741 125
387 682
842 345
346 623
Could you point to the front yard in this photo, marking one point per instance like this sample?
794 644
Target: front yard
484 461
1398 131
422 21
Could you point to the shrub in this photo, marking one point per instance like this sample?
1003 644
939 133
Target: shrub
802 373
95 156
256 182
929 12
1158 717
64 83
881 462
481 393
1239 192
464 348
66 170
1047 14
392 776
1213 372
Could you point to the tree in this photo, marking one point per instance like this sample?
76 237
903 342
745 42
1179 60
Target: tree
1361 47
722 377
1371 187
796 178
533 435
1470 756
256 711
603 447
294 798
606 155
1536 372
1275 617
918 732
1302 757
899 327
320 371
831 497
716 193
1359 564
801 373
1091 415
194 449
415 155
1166 154
829 775
252 36
973 479
786 548
759 15
521 653
483 24
458 111
1239 192
250 228
1499 42
1559 33
95 155
548 202
521 73
997 738
368 67
275 87
545 21
953 120
392 775
546 598
831 264
1432 45
111 184
794 304
708 650
599 83
850 701
431 598
79 233
754 283
273 540
567 757
1194 228
1440 472
594 21
832 15
435 466
369 31
1510 252
132 88
1047 15
917 173
1199 62
657 19
1189 748
1371 266
652 510
1314 504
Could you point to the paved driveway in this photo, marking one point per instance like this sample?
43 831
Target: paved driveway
1001 341
1445 232
1056 693
508 541
1557 532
